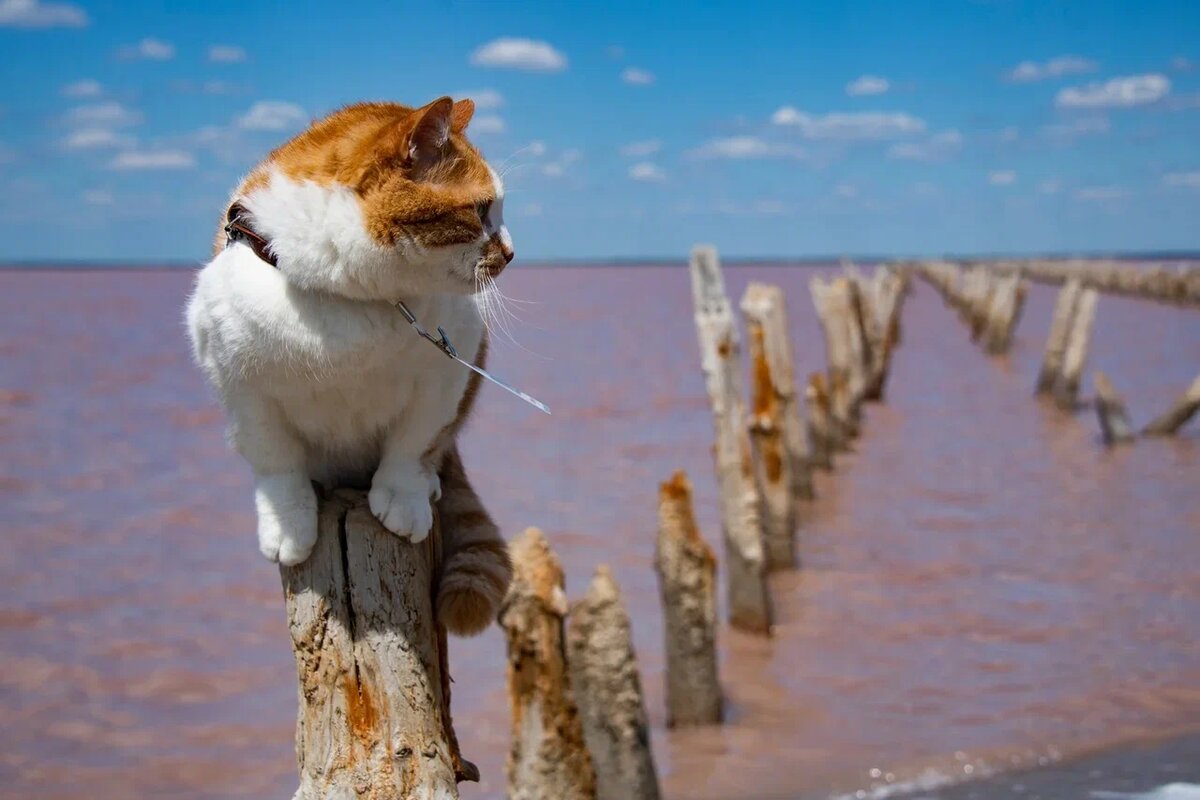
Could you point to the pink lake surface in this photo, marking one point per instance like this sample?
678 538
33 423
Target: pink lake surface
983 583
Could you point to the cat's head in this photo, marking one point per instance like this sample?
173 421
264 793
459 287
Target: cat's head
380 200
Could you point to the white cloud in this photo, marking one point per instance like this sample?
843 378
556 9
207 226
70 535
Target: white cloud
1132 90
485 99
647 172
1028 71
272 115
96 139
1189 179
35 14
1009 134
148 49
1099 193
846 191
1182 64
553 170
641 149
1002 177
637 77
488 123
936 148
109 114
153 159
513 53
1073 129
1050 186
97 197
858 125
226 53
535 149
867 85
746 147
84 88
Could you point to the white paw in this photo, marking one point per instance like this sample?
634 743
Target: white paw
403 509
287 519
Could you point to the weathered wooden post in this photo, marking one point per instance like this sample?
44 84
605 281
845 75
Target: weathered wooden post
687 577
604 674
1056 340
741 503
843 353
889 300
548 760
1170 421
1110 409
1077 349
1008 296
776 430
374 721
824 436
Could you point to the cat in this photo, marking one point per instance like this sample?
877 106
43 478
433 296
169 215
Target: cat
294 323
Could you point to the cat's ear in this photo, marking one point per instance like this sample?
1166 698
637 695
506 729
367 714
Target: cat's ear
463 111
430 131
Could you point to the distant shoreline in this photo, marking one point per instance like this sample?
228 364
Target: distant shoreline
550 263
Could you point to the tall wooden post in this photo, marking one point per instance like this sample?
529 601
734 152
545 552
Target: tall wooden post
776 429
1110 410
604 674
824 435
374 721
548 760
1060 332
687 577
1078 344
741 503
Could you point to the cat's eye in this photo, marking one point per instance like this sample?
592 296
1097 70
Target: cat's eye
482 209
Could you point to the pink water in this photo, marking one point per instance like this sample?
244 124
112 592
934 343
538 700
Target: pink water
980 578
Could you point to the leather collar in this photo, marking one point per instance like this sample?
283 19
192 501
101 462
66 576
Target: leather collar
239 227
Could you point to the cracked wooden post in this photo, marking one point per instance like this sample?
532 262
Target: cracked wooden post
1056 340
776 429
374 720
888 304
1078 344
1170 421
548 759
1110 410
687 578
604 674
741 503
824 437
833 303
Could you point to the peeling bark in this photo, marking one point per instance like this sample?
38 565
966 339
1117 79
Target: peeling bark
604 674
741 503
548 760
374 721
687 576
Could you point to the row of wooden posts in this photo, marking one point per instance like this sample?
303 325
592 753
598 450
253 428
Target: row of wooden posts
1181 285
985 296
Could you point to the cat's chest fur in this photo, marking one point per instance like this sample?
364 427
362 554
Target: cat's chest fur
345 374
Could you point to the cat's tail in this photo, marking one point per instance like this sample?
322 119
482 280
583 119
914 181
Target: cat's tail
475 566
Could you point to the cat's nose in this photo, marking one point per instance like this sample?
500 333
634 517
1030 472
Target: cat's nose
508 253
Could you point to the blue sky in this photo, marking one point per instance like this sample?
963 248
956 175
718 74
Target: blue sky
628 129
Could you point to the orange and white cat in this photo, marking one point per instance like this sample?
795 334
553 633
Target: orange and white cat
322 377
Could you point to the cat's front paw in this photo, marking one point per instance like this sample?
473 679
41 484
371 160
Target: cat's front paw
287 518
404 510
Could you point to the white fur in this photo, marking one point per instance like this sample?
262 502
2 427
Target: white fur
323 378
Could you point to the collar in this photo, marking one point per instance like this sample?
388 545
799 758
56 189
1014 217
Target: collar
239 227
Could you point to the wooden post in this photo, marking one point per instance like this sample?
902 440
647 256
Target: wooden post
1007 299
687 576
776 430
548 760
843 352
823 434
374 721
604 674
1077 349
1110 409
741 503
1170 421
889 300
1056 341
